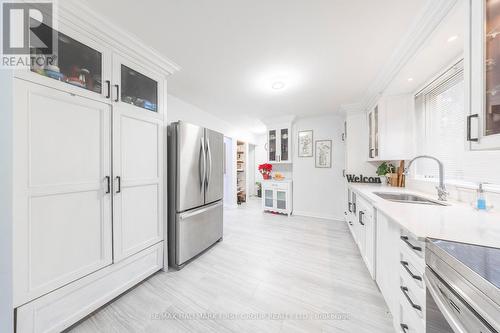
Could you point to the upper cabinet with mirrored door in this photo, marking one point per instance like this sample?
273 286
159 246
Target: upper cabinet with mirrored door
483 53
68 60
136 88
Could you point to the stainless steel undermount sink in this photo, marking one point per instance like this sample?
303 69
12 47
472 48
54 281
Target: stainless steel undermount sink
408 198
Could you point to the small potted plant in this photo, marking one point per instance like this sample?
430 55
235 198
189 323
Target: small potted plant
265 170
386 169
259 189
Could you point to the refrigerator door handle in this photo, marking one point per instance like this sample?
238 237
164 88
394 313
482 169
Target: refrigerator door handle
203 162
186 215
209 157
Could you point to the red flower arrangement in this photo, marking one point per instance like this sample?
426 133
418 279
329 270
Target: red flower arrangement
265 169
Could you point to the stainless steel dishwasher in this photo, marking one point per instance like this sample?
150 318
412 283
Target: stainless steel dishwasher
463 282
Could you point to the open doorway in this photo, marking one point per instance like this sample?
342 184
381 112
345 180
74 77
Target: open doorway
242 173
228 173
252 188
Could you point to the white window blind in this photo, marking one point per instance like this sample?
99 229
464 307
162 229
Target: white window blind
440 118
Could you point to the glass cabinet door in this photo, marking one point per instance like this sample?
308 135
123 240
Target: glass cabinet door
284 144
371 149
70 61
268 198
281 199
138 89
375 130
483 121
272 145
492 68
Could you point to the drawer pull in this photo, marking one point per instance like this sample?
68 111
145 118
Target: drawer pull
404 328
413 305
361 213
413 247
406 267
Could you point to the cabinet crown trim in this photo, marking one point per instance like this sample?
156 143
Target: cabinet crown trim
71 13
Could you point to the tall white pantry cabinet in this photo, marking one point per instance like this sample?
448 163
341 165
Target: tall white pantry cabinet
88 186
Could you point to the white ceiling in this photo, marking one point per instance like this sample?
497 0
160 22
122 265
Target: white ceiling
434 56
327 51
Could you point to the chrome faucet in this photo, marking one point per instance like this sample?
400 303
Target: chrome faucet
442 193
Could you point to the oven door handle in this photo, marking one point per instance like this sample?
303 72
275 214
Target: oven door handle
443 307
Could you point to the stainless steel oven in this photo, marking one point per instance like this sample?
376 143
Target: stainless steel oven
463 294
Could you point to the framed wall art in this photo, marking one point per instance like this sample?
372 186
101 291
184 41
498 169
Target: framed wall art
324 154
306 143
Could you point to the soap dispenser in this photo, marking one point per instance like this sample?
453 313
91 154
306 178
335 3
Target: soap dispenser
481 200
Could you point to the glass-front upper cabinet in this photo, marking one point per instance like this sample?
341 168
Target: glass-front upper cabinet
66 59
483 122
272 144
373 142
279 145
284 144
138 89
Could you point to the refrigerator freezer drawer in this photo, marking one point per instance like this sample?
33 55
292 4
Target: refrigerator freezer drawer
197 230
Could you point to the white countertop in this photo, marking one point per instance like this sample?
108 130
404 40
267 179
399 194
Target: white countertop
458 222
286 180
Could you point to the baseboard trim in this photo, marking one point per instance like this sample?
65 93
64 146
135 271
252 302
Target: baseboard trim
318 216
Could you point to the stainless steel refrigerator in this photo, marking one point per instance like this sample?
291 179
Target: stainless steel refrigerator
196 186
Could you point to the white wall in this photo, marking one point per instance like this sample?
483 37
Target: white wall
357 146
6 219
319 192
230 175
177 109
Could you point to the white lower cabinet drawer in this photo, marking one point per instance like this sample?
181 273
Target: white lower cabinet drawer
407 322
412 308
62 308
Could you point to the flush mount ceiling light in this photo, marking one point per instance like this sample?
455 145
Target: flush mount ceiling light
410 79
278 85
276 80
452 38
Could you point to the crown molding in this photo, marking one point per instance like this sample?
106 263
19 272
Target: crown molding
427 21
72 13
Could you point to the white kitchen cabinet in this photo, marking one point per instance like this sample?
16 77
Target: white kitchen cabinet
277 196
390 128
62 189
373 133
360 217
482 58
137 159
88 151
82 65
365 233
387 263
279 144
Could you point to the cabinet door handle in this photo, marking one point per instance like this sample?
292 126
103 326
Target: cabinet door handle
413 247
469 127
361 214
119 179
404 328
413 305
350 207
117 99
108 185
406 267
108 85
354 207
371 152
